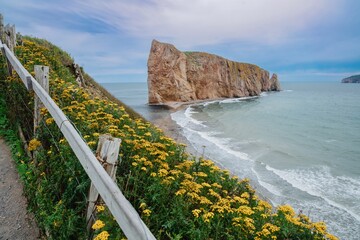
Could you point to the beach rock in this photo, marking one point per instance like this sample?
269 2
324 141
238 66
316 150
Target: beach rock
352 79
175 76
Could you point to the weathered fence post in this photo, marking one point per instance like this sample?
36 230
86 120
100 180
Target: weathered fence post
10 36
7 36
107 153
42 77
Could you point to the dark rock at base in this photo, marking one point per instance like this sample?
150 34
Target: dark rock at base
352 79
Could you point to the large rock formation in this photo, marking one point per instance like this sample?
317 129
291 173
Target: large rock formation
175 76
352 79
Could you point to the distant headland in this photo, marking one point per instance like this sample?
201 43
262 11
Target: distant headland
352 79
175 76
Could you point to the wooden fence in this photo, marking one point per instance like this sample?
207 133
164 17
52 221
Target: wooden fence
124 213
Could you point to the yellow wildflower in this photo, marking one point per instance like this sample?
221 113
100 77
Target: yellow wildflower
163 172
200 174
216 185
204 200
245 195
205 184
196 212
246 210
100 208
271 227
98 224
207 163
49 121
34 144
134 164
104 235
180 192
288 210
207 216
320 227
91 143
147 212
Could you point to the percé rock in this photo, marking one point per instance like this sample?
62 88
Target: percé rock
175 76
352 79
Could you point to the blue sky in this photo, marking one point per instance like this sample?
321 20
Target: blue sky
298 39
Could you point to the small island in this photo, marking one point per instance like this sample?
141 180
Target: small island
352 79
183 77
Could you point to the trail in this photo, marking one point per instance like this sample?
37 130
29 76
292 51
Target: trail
15 221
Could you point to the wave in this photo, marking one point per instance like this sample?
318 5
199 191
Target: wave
338 191
235 100
188 119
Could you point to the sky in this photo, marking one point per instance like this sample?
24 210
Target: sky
300 40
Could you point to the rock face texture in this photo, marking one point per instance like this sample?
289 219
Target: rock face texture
175 76
352 79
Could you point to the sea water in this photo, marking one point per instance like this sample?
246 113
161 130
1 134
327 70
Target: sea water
300 146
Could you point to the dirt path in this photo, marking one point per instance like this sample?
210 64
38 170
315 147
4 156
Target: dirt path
15 222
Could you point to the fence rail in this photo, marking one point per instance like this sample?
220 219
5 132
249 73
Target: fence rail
124 213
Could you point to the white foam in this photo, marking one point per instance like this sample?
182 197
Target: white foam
235 100
210 102
188 118
271 188
222 143
336 191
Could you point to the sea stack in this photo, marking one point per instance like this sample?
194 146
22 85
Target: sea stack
175 76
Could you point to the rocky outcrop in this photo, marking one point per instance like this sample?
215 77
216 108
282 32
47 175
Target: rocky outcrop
352 79
175 76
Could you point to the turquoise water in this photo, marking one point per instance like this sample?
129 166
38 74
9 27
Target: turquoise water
299 146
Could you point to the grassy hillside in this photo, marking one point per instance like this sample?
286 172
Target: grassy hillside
177 196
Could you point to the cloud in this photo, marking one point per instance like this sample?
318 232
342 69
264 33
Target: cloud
112 38
198 22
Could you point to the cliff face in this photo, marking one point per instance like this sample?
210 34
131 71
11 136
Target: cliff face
175 76
352 79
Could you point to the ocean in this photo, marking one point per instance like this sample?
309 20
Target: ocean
300 146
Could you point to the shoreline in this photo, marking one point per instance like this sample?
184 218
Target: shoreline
173 130
176 106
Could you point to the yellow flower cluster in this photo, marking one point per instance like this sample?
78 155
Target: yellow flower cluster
34 144
104 235
100 208
98 224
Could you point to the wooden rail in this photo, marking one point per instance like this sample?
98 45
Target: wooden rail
124 213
